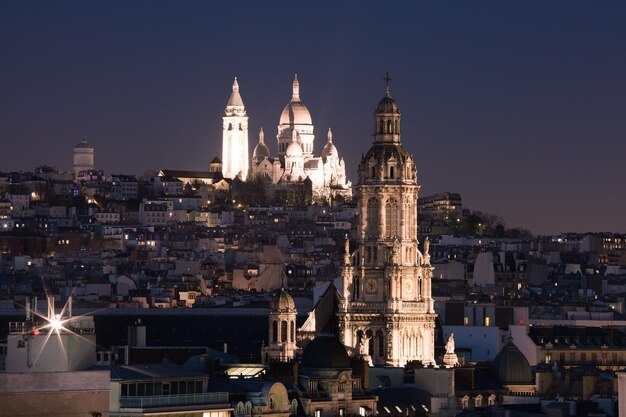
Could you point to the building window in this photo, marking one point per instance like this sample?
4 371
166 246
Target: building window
372 217
283 331
487 321
318 413
391 218
274 331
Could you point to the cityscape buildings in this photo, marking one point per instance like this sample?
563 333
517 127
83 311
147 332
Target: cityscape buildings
184 292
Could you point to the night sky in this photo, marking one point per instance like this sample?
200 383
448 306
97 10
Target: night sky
519 106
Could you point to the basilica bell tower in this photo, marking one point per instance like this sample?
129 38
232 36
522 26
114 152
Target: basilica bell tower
386 309
235 137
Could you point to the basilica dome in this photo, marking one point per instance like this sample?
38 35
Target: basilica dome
261 151
325 352
295 112
511 366
329 149
294 149
282 301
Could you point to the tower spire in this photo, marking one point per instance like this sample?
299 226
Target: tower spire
296 89
330 135
235 98
261 136
387 79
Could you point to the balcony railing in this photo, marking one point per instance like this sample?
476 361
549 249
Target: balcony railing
208 398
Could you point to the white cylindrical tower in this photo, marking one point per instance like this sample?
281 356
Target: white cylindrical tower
83 157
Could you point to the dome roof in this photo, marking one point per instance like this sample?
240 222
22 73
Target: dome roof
261 151
295 112
511 366
294 149
83 144
282 301
387 105
329 149
325 351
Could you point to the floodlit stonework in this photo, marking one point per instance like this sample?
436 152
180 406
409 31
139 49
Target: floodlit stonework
295 160
235 137
386 309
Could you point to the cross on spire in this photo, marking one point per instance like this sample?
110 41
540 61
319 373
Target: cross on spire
387 79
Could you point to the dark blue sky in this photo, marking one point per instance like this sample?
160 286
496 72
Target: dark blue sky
520 106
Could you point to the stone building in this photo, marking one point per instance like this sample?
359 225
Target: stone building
386 309
235 137
295 161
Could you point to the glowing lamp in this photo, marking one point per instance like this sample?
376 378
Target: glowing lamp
56 324
36 332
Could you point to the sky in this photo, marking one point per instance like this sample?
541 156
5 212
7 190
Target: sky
518 106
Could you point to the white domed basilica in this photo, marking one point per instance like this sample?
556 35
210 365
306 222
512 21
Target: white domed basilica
295 161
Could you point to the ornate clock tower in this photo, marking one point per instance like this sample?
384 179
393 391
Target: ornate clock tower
386 309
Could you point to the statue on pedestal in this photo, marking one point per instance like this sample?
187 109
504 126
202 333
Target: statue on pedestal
450 359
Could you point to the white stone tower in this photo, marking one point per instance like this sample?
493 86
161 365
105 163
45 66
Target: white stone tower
282 329
386 308
83 157
296 116
235 137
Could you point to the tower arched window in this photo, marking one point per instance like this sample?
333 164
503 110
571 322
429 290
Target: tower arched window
391 172
372 217
381 125
293 331
283 331
407 220
274 331
391 218
373 172
230 126
388 126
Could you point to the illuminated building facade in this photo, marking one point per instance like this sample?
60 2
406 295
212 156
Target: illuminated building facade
386 309
235 137
295 161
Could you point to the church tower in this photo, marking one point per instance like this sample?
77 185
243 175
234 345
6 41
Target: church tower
235 137
282 329
386 309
